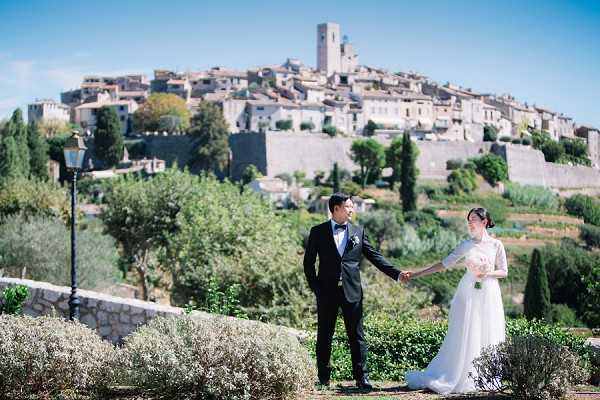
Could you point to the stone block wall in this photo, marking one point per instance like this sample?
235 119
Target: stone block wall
112 317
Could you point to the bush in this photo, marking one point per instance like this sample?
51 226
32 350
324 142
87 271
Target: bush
497 209
553 151
562 314
46 356
490 134
587 207
531 196
330 130
307 126
217 358
492 167
516 141
462 180
505 139
532 367
284 124
526 141
39 249
454 164
590 234
400 344
13 299
33 197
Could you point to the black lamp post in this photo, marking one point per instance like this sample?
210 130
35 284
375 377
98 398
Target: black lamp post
74 152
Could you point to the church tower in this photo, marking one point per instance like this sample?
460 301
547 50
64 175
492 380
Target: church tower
329 55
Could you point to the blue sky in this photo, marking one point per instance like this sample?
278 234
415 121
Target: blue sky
542 52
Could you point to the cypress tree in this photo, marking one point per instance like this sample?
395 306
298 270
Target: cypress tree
108 138
536 303
17 129
336 178
408 175
38 151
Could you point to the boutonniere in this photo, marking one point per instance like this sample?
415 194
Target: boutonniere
354 240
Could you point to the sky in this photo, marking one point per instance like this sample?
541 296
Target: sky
545 53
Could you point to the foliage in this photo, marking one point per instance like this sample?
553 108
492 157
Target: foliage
408 174
381 225
107 137
307 126
250 173
505 139
526 141
492 167
330 130
516 141
562 314
587 207
217 358
237 239
536 304
13 299
490 133
140 213
335 175
147 117
369 129
370 157
453 164
576 151
571 274
14 151
39 249
211 150
47 356
393 160
462 180
531 367
497 208
56 146
284 124
590 234
531 196
539 138
33 197
553 151
351 188
38 151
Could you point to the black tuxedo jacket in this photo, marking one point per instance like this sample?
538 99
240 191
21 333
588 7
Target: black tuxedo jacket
331 265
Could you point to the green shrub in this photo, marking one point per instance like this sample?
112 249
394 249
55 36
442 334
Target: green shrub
553 151
454 164
584 206
330 130
397 345
33 197
307 126
590 234
284 124
531 367
39 249
516 141
531 196
562 314
217 358
492 167
48 356
13 298
505 139
497 209
462 180
526 141
490 134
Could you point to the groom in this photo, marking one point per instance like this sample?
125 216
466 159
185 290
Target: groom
341 247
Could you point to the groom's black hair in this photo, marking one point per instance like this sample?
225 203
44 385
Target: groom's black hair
337 199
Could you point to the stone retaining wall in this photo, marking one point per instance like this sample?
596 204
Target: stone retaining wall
112 317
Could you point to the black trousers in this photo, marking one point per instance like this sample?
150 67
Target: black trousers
328 305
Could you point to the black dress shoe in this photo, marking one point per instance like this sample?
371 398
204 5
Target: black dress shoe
325 383
364 384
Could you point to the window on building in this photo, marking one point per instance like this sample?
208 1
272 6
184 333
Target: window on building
122 118
333 36
206 82
121 108
260 108
407 112
354 118
419 111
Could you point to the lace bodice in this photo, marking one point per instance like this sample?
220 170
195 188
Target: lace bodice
488 254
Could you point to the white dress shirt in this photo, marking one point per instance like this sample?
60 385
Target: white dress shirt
340 237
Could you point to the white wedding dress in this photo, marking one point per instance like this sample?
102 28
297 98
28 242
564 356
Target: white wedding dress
476 320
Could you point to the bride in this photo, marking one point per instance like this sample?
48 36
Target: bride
476 317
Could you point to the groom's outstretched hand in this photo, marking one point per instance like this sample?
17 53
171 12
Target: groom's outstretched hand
405 276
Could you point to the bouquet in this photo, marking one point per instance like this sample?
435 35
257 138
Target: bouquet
478 263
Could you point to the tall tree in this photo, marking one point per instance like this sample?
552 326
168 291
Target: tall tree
393 160
38 151
9 159
369 155
162 111
536 303
108 137
369 129
17 129
211 131
408 178
335 175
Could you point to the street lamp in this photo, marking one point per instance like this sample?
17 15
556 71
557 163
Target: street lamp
74 151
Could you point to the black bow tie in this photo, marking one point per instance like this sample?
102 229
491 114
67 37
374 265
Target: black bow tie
336 227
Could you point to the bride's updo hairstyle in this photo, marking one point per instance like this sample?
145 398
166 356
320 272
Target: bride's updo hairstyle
483 214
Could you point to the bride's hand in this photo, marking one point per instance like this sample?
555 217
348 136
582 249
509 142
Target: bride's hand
481 275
